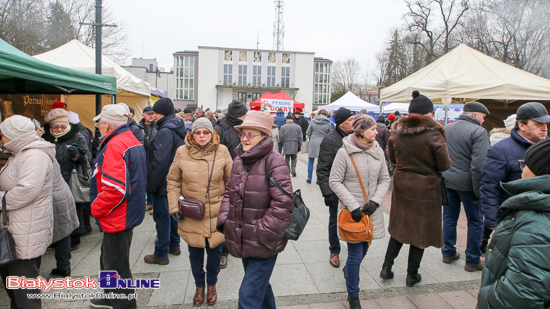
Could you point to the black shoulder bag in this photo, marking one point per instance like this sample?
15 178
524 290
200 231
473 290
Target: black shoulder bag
300 214
442 185
7 245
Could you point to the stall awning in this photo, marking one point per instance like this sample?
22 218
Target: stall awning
274 101
21 73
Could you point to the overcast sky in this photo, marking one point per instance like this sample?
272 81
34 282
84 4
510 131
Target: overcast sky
336 30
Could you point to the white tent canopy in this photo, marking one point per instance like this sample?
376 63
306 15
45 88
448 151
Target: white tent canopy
351 102
130 89
467 73
78 56
402 108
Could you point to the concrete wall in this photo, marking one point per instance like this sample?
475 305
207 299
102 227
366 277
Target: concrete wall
304 69
208 72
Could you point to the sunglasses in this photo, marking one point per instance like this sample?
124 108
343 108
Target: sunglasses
248 135
59 127
198 133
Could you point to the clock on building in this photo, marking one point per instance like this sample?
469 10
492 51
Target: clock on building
286 58
257 57
271 57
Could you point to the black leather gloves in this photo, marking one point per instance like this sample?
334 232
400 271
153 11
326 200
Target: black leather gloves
330 201
176 216
356 215
370 208
72 150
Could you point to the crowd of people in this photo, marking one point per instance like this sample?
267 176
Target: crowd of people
226 161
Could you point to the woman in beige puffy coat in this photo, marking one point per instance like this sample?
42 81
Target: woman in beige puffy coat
371 164
26 185
188 176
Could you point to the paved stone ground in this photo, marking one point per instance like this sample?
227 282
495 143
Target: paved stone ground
303 278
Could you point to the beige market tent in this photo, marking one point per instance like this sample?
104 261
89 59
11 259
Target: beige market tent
75 55
467 74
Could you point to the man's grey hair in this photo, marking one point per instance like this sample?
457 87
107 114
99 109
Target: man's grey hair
114 123
467 113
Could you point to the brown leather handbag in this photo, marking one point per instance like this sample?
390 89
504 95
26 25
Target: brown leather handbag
193 208
350 230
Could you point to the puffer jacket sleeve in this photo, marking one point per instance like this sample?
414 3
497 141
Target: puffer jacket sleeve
336 181
525 283
114 190
224 206
494 171
30 179
174 180
277 217
227 167
479 152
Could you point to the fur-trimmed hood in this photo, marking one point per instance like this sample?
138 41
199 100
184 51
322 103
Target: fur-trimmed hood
416 125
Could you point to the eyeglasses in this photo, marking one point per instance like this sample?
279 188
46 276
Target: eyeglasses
521 164
198 133
248 135
59 127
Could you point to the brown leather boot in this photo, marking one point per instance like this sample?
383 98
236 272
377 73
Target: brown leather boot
198 299
211 295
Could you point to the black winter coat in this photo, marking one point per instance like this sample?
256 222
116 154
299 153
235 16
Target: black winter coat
65 161
229 137
304 124
329 147
149 132
137 129
501 165
170 136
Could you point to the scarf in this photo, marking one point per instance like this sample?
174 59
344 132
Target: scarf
58 135
360 144
232 120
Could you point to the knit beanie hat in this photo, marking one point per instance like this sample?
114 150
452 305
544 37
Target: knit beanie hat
237 109
59 104
391 117
202 123
15 126
510 122
164 106
420 104
537 158
362 122
57 115
341 115
289 117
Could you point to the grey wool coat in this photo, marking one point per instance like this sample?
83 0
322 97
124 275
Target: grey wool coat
65 220
318 128
344 182
290 135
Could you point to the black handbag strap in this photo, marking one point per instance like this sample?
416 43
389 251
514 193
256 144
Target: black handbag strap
409 150
275 183
4 214
210 178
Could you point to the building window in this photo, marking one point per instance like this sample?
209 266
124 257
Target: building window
227 74
242 75
270 76
322 83
242 56
256 95
185 78
242 97
257 76
285 77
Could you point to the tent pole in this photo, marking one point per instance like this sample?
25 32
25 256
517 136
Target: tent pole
446 114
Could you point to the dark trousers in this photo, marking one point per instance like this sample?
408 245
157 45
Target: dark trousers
475 225
86 213
292 165
196 257
63 253
255 291
280 147
225 251
334 242
167 228
149 198
22 268
115 255
415 256
356 253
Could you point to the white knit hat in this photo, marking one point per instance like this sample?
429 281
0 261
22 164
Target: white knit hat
15 126
510 122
